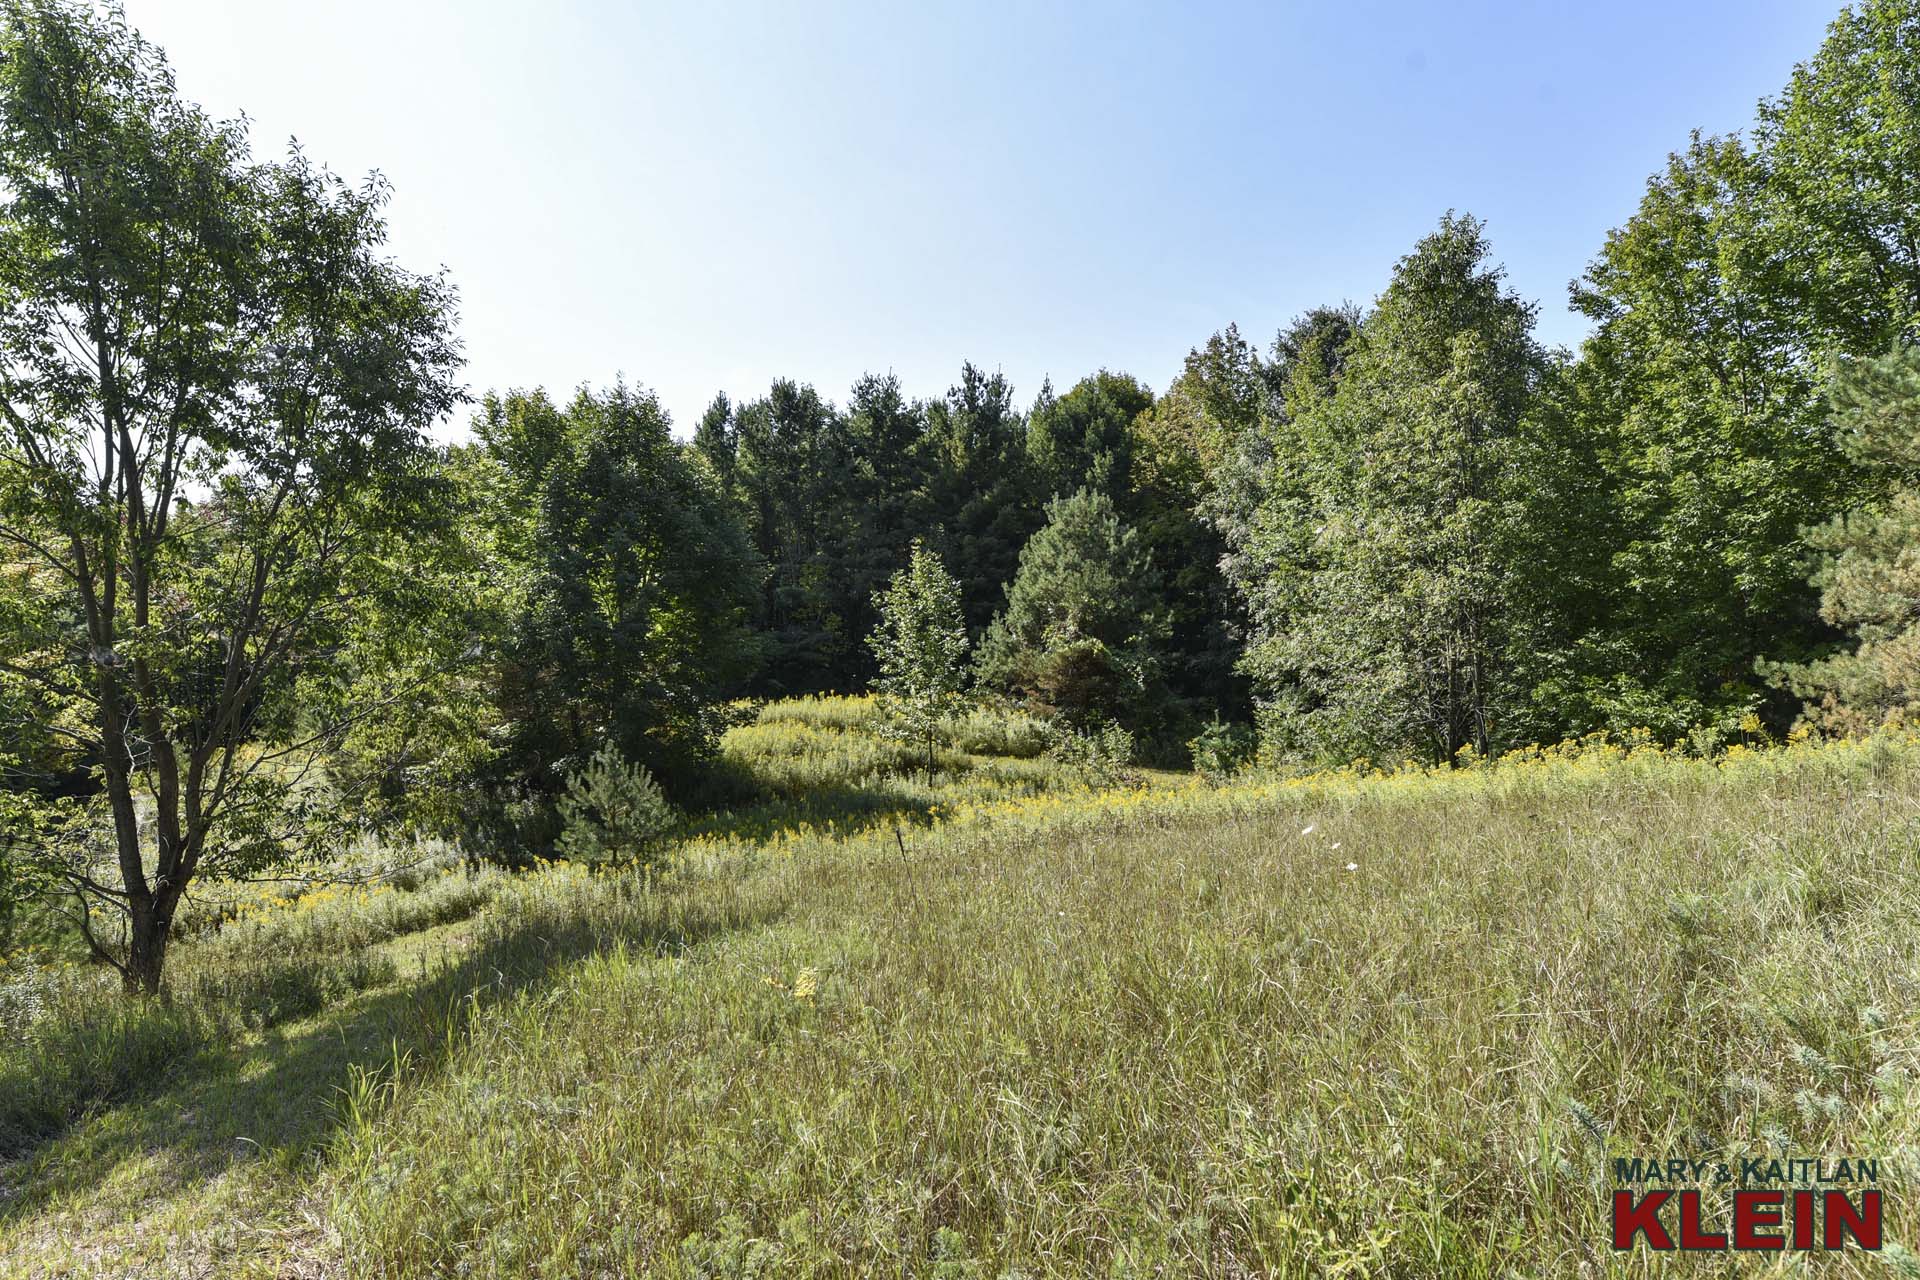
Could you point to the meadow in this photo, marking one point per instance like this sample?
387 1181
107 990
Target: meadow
1010 1020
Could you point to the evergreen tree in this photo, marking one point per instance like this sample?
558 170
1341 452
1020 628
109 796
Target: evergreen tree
1084 439
1181 449
1082 633
627 624
980 509
885 489
1869 574
714 439
792 468
1247 405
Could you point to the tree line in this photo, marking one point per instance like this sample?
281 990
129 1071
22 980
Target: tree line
246 605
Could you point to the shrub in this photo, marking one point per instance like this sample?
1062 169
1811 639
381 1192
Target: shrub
1102 755
921 638
613 811
1222 748
992 731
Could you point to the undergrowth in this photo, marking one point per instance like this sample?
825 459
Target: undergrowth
1388 1022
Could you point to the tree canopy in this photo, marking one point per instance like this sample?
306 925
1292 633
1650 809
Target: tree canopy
212 448
248 603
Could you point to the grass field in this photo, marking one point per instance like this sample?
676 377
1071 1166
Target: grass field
1006 1023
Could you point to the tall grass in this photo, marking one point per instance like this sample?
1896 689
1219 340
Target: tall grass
1360 1022
1347 1025
830 765
77 1049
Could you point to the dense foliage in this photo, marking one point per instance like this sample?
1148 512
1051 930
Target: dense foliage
1869 575
213 468
1081 635
919 643
245 599
1392 619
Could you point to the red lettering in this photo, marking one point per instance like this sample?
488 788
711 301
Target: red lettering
1753 1210
1691 1236
1863 1224
1803 1219
1629 1220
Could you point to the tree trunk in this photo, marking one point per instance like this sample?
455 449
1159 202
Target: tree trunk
147 954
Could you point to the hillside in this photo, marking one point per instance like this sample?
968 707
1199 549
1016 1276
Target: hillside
1007 1023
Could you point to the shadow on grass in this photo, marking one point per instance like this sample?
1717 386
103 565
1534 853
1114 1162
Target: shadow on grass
276 1098
841 810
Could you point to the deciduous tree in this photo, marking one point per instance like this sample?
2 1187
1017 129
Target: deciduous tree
213 399
919 643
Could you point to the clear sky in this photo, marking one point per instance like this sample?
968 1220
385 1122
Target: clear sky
705 196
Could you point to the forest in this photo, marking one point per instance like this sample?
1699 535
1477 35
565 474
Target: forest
243 586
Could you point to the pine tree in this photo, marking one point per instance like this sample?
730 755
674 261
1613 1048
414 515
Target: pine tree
980 507
1083 632
1869 576
1084 438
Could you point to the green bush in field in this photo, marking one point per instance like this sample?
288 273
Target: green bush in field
996 731
1102 755
919 643
1221 749
613 811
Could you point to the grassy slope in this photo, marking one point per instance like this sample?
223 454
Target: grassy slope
1159 1030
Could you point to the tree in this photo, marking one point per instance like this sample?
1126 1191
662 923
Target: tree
1246 407
792 466
919 643
884 490
1869 574
1081 635
1183 449
612 812
1385 623
212 415
1084 438
1716 451
426 764
980 505
1839 151
1750 270
630 622
715 438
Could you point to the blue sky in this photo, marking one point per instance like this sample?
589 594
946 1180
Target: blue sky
707 196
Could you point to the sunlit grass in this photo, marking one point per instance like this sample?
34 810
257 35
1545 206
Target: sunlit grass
1366 1021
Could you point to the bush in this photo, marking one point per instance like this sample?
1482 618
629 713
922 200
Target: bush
613 811
1102 756
991 731
1221 749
